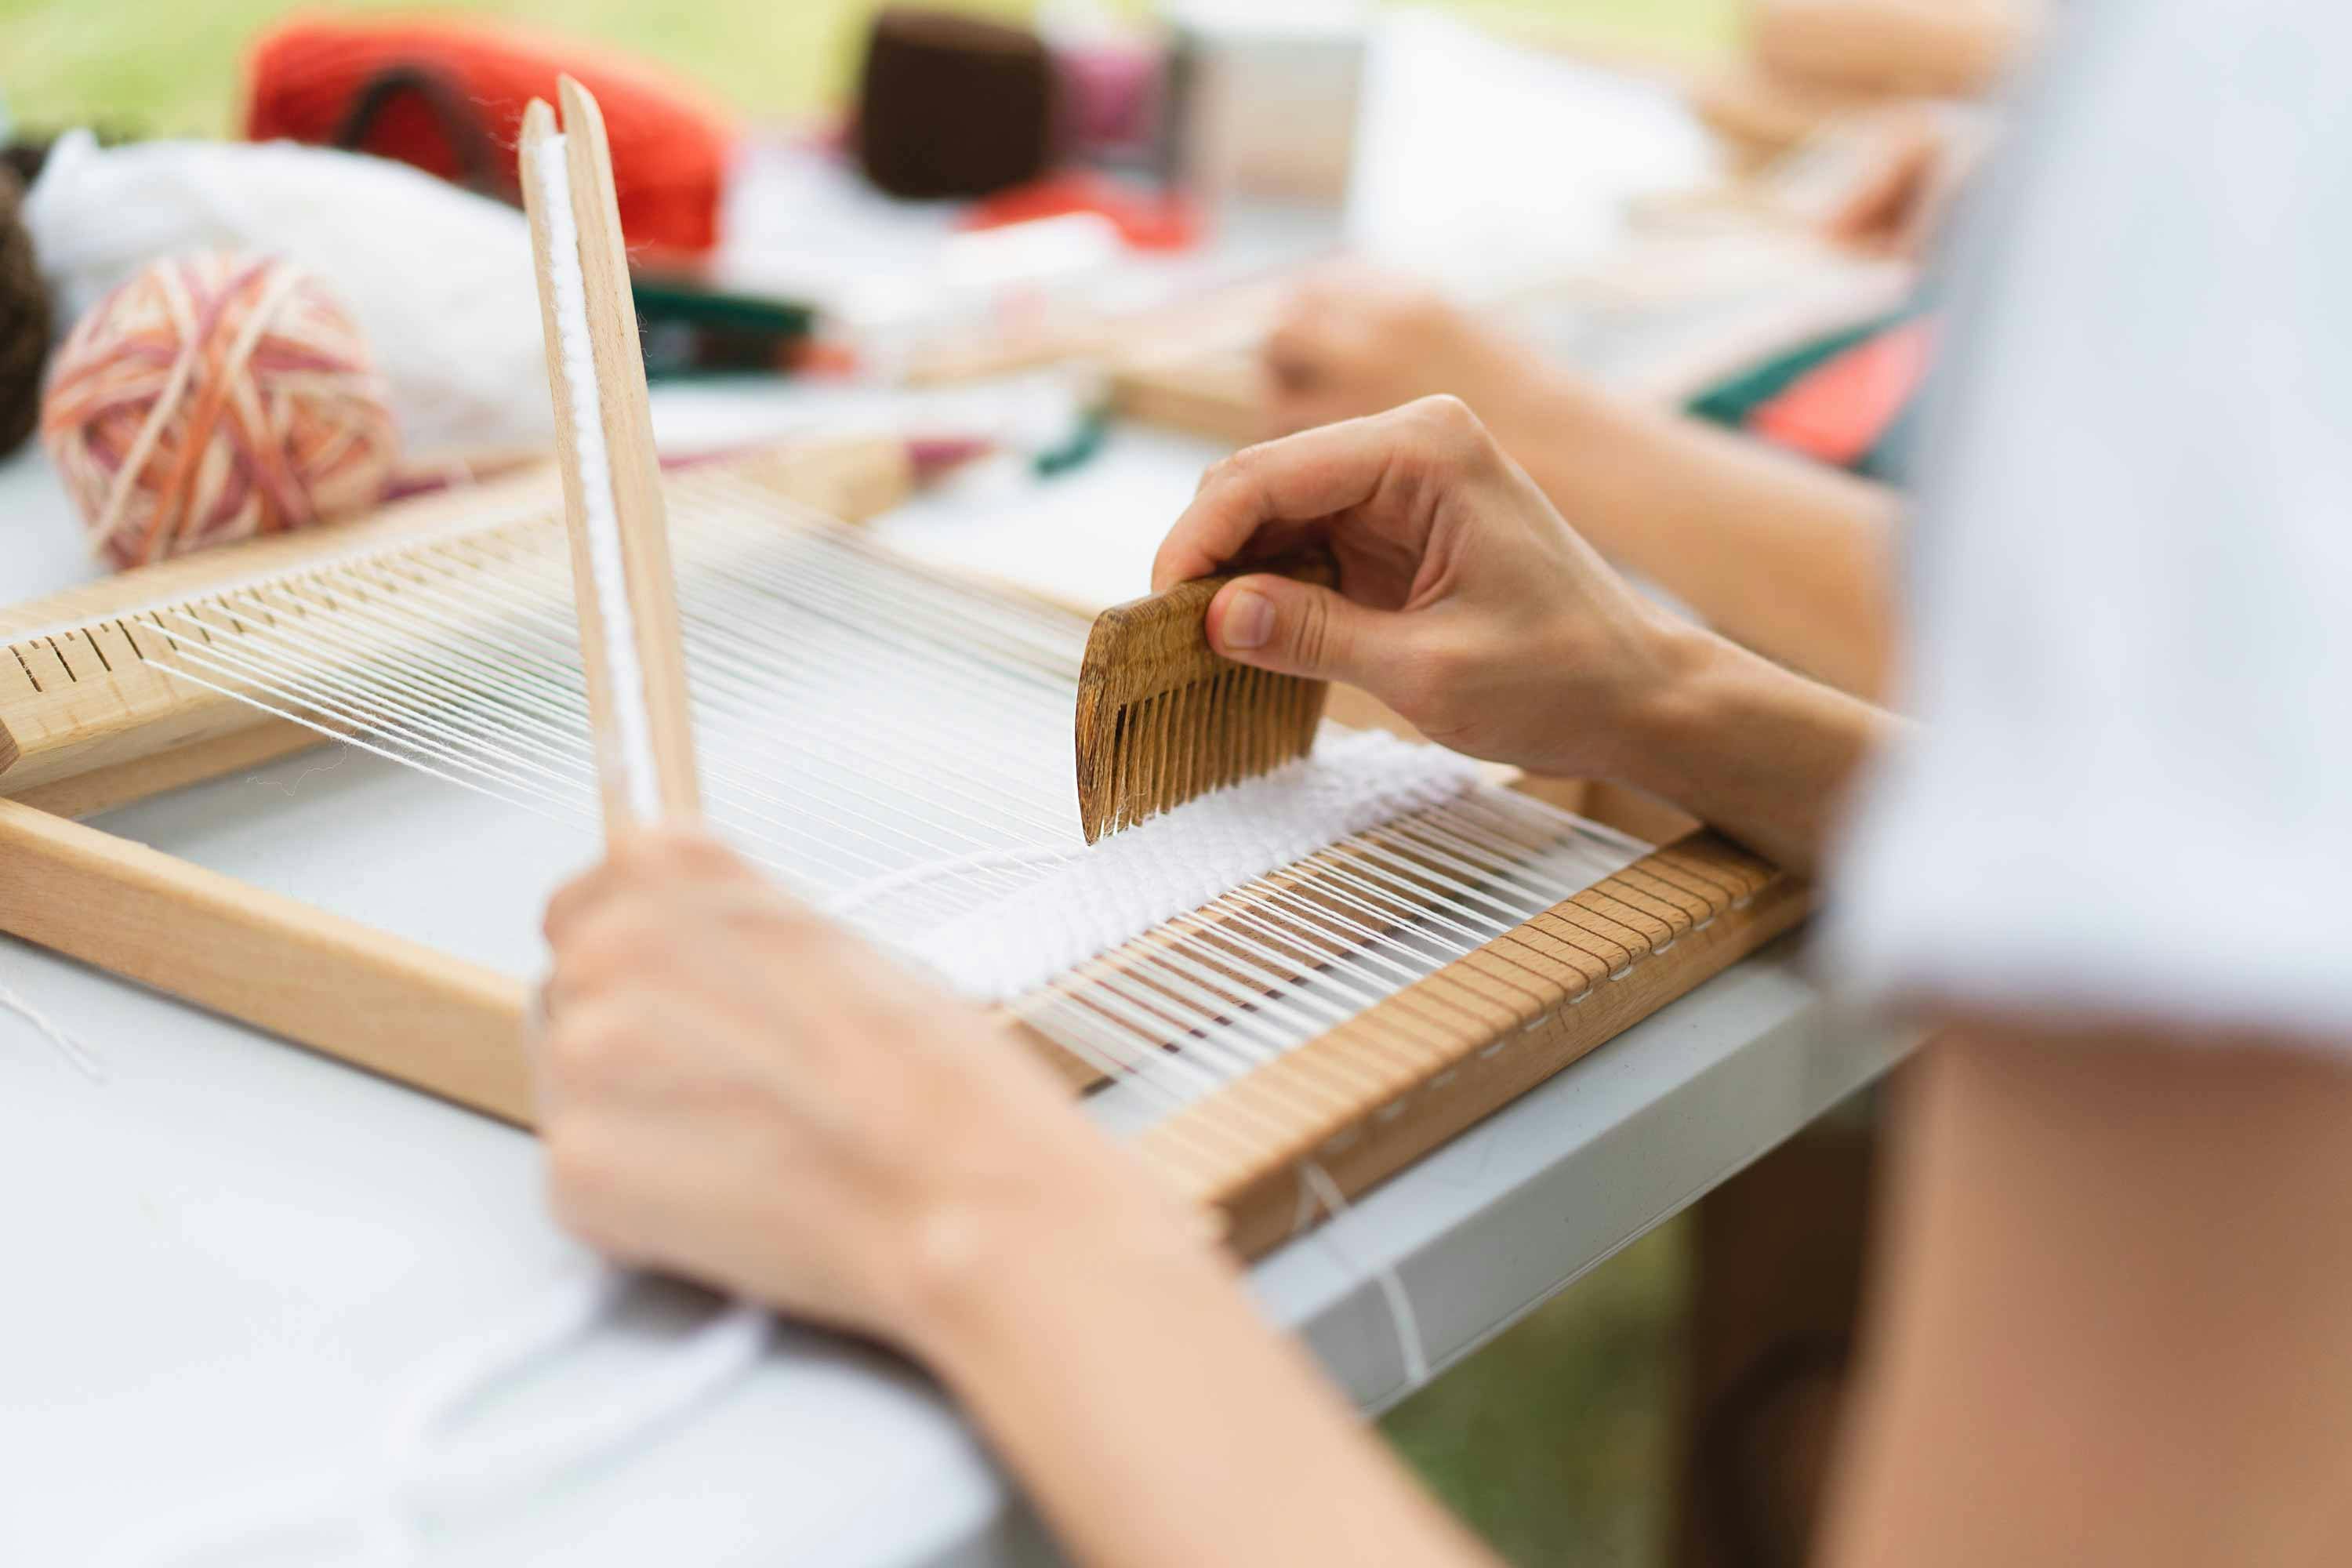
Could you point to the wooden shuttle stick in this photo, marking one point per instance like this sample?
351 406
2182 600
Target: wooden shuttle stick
571 204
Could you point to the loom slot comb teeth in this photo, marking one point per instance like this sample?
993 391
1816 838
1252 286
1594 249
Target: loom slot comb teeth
1163 718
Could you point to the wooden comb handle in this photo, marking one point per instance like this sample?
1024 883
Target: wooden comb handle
1163 717
1164 637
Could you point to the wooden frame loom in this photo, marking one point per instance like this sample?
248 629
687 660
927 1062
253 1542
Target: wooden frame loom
92 714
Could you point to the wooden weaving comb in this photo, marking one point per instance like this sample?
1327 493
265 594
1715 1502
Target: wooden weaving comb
1164 718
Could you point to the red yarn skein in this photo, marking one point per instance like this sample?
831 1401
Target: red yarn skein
670 144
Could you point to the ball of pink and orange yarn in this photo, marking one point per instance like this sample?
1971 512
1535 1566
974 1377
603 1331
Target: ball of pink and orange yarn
213 397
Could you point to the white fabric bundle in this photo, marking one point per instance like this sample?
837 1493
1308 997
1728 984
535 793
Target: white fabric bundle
1136 879
439 279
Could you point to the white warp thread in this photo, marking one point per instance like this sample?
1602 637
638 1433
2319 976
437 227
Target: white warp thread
1134 881
1411 1350
713 1358
84 1061
376 1512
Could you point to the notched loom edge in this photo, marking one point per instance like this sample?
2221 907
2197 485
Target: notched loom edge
150 750
456 1030
1262 1200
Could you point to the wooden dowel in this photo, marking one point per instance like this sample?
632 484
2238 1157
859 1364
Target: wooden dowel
624 427
379 1001
628 432
537 126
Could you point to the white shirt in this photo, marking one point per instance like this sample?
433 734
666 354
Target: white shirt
2130 593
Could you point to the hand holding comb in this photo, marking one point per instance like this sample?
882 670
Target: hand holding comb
1164 718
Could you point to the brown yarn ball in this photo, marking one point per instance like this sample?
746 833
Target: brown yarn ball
25 321
953 105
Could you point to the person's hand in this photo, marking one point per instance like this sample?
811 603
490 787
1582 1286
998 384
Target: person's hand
1353 342
735 1090
1900 170
1465 602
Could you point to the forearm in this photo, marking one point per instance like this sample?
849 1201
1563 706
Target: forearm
1785 556
2110 1325
1159 1422
1762 754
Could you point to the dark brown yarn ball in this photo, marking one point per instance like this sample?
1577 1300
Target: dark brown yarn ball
25 321
953 105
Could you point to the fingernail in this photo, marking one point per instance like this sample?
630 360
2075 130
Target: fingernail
1249 620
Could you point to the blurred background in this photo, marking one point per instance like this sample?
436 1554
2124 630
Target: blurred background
173 68
1715 205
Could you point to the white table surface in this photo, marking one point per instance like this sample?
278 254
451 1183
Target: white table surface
219 1262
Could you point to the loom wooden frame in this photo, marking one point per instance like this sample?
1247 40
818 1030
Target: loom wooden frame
89 720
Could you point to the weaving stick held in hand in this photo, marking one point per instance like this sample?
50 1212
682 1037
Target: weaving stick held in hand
627 604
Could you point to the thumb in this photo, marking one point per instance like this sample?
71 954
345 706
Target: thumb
1292 628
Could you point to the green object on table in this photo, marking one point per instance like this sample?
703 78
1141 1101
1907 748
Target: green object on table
690 330
1084 439
1730 403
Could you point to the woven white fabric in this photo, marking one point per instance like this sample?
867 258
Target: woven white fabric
1134 880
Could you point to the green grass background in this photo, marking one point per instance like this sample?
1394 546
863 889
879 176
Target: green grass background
170 66
1554 1441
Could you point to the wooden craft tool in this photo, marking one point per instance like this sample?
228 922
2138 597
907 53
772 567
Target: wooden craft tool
1163 717
624 597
